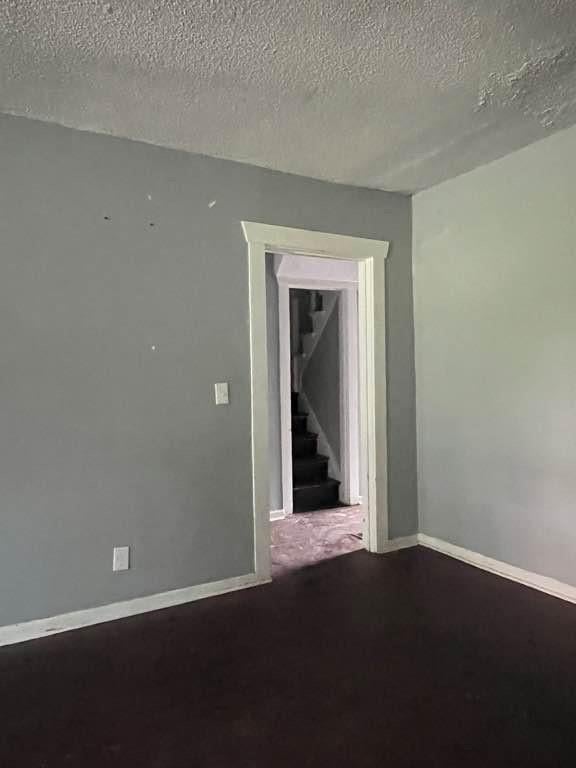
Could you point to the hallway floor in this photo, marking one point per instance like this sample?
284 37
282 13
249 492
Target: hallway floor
404 660
307 538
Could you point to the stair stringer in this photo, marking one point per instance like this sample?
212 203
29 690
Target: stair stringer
319 321
323 444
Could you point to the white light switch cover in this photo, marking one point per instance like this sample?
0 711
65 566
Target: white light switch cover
121 560
221 393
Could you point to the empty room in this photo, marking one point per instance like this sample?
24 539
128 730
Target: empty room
287 383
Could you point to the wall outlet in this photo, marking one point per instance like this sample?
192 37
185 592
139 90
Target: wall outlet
121 559
221 393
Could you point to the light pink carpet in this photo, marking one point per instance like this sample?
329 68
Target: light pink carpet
309 537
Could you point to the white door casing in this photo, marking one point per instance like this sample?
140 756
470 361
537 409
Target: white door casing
371 257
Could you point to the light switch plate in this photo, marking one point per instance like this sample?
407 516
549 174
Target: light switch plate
221 393
121 559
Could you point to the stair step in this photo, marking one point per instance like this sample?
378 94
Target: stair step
299 423
309 497
304 444
312 469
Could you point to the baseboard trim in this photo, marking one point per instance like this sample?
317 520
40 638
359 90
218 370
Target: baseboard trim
277 514
527 578
403 542
30 630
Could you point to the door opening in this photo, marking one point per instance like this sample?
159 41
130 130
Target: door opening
369 258
321 515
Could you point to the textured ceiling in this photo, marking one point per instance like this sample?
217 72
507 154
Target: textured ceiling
394 94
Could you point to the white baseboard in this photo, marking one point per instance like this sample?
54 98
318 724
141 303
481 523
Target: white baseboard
403 542
29 630
277 514
528 578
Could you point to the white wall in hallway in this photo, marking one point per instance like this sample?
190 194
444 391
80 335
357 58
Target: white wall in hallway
311 268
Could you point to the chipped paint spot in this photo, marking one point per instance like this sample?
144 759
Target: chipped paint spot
483 99
212 203
542 88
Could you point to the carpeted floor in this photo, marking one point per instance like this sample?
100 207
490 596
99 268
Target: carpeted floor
404 660
307 538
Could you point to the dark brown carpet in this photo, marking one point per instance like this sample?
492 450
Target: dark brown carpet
410 659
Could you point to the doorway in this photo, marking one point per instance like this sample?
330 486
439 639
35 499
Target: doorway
321 515
370 257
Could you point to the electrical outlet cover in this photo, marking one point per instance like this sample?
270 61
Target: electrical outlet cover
121 559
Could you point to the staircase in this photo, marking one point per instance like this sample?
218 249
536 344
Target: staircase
313 310
312 489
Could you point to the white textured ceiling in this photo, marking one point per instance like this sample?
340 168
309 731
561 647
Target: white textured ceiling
394 94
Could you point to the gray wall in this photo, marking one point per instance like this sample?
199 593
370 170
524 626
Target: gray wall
495 304
321 381
273 341
105 441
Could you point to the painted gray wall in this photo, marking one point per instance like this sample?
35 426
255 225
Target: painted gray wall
105 441
321 381
495 304
273 340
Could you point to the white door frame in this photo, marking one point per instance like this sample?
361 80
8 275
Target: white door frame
285 377
349 394
349 406
371 257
